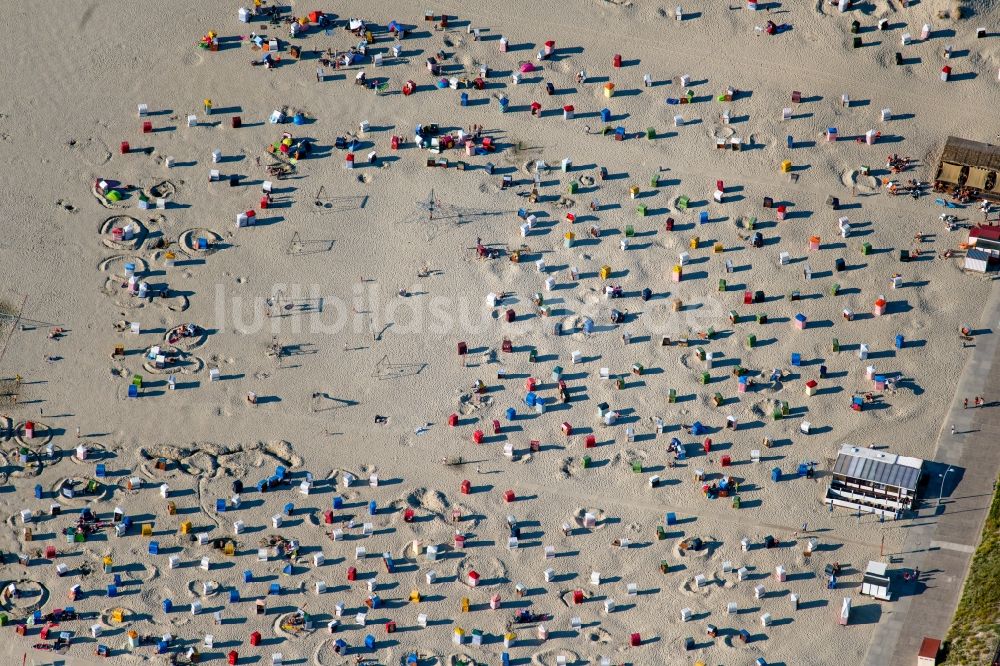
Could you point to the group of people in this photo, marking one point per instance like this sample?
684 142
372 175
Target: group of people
896 164
913 187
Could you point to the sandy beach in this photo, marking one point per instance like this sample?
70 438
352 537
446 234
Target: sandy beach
343 309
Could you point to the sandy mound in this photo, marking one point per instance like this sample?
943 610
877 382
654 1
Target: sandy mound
214 460
549 657
601 518
32 596
120 222
188 241
116 265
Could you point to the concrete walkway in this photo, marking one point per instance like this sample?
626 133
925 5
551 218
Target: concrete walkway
941 542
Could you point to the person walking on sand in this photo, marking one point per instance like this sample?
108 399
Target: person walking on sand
965 403
953 428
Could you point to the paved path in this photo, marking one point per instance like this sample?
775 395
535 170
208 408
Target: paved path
942 544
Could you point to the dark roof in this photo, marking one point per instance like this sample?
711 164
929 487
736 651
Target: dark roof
971 153
867 469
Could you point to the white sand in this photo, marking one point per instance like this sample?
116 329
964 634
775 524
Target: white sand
75 76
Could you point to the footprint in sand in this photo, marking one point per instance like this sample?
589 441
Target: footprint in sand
192 59
92 151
